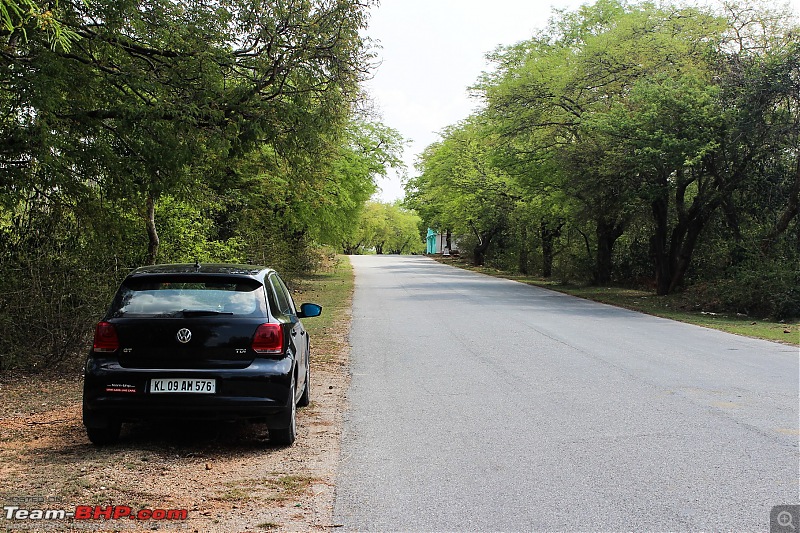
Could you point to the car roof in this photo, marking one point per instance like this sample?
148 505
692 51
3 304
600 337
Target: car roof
211 269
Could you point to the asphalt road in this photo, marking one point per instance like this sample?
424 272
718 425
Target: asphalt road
480 404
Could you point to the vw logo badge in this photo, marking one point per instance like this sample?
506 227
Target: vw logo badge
184 335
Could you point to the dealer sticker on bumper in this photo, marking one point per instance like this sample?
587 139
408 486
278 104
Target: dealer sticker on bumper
193 386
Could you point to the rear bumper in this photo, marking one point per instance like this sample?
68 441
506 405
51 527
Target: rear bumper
115 394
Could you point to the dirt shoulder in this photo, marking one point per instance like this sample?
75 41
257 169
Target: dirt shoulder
227 476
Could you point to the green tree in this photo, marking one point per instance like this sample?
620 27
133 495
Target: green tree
160 99
371 149
618 111
548 94
404 236
156 133
386 228
459 189
694 139
374 228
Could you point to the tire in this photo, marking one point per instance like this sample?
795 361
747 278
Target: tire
287 435
105 435
305 398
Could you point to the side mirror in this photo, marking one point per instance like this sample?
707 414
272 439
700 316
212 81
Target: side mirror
309 310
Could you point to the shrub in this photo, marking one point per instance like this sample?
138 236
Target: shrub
759 289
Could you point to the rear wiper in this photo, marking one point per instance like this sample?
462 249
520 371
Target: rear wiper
203 312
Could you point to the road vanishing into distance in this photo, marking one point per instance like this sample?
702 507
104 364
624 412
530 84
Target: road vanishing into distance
481 404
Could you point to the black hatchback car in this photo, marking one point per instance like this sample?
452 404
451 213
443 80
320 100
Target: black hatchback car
199 342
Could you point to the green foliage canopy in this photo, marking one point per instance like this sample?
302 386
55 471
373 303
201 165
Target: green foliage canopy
669 130
169 130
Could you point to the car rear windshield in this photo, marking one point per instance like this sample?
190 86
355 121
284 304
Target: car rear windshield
185 296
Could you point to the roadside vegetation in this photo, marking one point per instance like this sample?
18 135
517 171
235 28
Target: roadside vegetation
331 286
651 146
385 228
183 131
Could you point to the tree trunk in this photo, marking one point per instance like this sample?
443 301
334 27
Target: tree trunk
672 258
547 258
479 252
607 235
658 247
603 265
683 255
152 233
791 211
484 240
523 250
350 248
549 236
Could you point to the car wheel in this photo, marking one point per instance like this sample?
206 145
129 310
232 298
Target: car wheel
305 398
285 436
105 435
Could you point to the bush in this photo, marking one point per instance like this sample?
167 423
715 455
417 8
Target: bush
56 279
759 289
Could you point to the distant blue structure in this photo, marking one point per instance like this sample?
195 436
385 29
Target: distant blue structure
437 244
431 239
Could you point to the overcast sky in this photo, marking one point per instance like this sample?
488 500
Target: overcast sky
432 51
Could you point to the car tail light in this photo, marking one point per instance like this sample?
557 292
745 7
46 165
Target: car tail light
268 339
105 338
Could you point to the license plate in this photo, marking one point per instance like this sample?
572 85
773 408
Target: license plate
183 385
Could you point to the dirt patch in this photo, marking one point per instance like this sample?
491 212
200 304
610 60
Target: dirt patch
228 476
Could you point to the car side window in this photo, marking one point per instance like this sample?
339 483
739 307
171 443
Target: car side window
282 298
288 294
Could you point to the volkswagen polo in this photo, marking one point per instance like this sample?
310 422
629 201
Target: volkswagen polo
202 342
